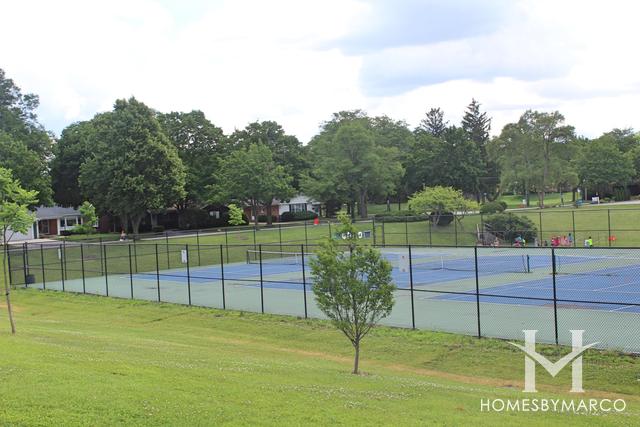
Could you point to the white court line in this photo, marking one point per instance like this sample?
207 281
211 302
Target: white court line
621 308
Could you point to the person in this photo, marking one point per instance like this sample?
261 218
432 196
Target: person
123 236
589 242
496 243
546 243
570 239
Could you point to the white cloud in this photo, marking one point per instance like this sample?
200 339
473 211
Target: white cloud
240 61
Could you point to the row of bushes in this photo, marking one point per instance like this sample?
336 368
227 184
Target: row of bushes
493 207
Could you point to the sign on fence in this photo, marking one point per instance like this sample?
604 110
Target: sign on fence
184 256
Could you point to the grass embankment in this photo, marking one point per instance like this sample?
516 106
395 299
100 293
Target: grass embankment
80 360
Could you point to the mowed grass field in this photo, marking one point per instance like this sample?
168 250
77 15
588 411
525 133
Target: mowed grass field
82 360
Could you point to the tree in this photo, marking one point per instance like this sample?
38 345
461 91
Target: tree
235 215
14 217
438 201
251 177
89 218
201 146
434 123
478 125
134 167
354 289
535 151
287 150
70 152
349 165
25 146
601 165
624 139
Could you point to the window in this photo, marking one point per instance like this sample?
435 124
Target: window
71 222
298 207
43 226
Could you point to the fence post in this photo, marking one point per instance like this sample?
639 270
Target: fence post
198 243
555 298
130 272
100 252
64 256
455 228
573 221
224 303
135 254
106 271
329 222
158 272
166 237
261 281
413 312
62 267
383 234
609 225
304 281
84 285
44 281
188 274
254 237
8 255
475 256
406 230
540 222
306 237
24 262
374 231
280 235
430 236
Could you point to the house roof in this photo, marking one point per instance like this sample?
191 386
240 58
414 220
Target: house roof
55 212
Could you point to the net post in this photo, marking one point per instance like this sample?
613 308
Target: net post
106 271
188 274
573 221
62 268
413 311
528 266
475 257
198 243
84 284
609 225
44 281
158 272
130 272
261 280
224 302
135 254
304 282
555 298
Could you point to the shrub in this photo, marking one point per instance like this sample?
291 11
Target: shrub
298 216
503 204
492 207
400 216
157 228
263 218
508 226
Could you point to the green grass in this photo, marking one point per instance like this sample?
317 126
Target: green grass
550 199
80 360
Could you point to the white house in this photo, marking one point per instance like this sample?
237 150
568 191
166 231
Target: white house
50 221
299 203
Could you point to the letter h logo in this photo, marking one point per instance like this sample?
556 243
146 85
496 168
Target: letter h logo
531 357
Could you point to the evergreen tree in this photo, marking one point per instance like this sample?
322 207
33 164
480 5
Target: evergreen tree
434 123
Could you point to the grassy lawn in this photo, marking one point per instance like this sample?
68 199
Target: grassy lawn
81 360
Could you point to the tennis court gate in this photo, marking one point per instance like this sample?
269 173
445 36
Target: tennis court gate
481 291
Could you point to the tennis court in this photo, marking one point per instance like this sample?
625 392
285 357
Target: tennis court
494 292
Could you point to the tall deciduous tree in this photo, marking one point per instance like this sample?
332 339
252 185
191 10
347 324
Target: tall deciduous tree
354 289
134 167
287 150
72 149
201 147
25 146
601 165
349 165
251 177
14 217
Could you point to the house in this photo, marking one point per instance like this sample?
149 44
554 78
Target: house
50 221
299 203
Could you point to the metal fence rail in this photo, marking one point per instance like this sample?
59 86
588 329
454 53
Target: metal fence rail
481 291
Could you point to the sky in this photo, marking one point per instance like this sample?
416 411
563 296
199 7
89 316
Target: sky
299 61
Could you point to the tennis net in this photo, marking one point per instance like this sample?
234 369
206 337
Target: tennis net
275 257
488 264
597 265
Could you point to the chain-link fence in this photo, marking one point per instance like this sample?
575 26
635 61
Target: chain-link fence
482 291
